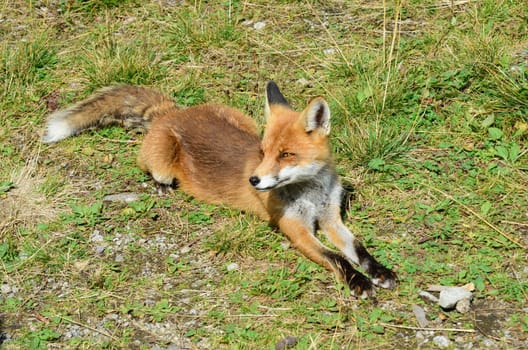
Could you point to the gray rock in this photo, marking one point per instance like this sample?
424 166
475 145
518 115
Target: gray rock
428 296
286 343
100 249
125 197
5 288
420 316
232 267
451 296
489 343
259 25
441 341
96 236
463 306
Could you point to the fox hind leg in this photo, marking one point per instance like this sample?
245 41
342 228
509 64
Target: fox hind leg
159 156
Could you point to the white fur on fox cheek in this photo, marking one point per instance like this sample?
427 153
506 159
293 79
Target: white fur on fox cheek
291 174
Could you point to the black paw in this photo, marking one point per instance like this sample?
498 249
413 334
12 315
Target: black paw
383 277
361 286
162 188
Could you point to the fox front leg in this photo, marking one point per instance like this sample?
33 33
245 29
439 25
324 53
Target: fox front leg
303 239
343 239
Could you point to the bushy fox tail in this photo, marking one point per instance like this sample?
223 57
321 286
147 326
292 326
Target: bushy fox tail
133 107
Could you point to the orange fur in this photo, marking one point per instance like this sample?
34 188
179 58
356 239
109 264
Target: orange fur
215 153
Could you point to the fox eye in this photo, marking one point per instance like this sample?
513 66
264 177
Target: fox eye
285 155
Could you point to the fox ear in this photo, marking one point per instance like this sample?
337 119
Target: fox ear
316 116
274 97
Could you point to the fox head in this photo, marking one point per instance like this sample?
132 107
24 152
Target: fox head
295 145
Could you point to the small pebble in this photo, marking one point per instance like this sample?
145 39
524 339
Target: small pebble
286 343
420 316
259 25
470 287
96 236
285 245
119 258
441 341
232 267
125 197
149 302
112 316
463 306
5 288
303 82
489 343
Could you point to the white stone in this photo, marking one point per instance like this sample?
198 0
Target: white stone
451 296
259 25
125 197
232 267
96 236
303 82
441 341
5 288
428 296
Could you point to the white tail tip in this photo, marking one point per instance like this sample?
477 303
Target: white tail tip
57 129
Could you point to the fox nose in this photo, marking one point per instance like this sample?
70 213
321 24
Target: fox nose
254 180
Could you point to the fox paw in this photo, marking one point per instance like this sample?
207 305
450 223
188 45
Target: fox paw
361 286
383 277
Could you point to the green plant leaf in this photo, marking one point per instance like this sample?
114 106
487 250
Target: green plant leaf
490 119
502 152
376 164
479 284
513 154
6 186
495 133
485 208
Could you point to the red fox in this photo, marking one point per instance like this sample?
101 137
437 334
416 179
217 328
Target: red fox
215 154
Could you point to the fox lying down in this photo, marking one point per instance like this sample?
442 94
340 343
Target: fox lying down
216 155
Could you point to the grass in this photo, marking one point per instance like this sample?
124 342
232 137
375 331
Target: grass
429 102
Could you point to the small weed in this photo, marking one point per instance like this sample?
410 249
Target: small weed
190 96
139 208
39 340
5 186
278 284
88 215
